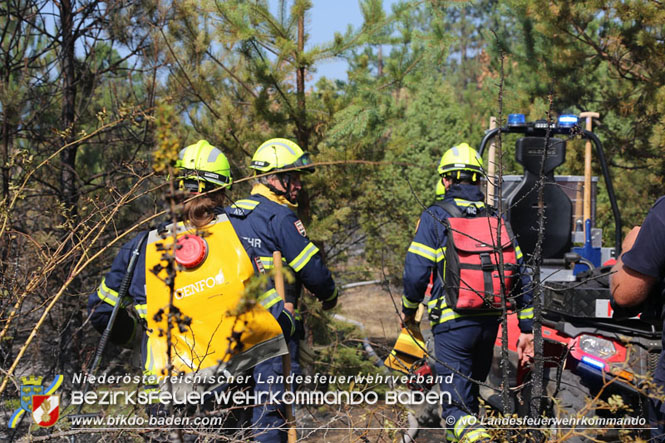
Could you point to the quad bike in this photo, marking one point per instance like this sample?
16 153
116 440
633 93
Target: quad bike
588 353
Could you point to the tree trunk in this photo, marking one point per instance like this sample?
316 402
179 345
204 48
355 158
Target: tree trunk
379 69
6 150
302 132
68 186
537 387
69 341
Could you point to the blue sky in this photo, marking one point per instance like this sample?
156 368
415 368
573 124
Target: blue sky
327 17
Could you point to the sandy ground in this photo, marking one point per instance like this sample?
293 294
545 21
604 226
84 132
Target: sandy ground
376 308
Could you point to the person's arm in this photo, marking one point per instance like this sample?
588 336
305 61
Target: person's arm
525 349
524 302
425 253
523 292
305 259
102 301
629 287
642 264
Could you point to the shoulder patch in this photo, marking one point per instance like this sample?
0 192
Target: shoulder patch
301 229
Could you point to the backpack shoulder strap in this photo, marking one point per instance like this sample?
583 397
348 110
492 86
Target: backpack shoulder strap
450 208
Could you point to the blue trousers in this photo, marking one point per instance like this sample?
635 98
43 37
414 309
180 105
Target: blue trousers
268 419
466 349
657 420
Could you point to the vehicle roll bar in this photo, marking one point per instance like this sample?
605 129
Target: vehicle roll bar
529 129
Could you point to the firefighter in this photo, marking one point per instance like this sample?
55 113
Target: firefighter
266 222
639 273
463 341
212 337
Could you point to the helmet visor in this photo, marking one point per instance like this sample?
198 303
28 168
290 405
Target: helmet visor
206 176
459 167
303 163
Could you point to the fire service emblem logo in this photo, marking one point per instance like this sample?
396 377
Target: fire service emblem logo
300 228
37 401
45 409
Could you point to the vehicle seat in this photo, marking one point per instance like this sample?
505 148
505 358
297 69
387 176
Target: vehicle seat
522 201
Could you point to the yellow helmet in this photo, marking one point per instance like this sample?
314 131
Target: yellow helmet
202 163
462 159
279 153
440 190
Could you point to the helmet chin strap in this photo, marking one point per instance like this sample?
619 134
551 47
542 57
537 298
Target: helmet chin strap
285 181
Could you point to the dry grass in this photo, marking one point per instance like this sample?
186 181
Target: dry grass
373 306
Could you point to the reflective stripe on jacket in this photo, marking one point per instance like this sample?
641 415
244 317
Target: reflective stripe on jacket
266 226
426 254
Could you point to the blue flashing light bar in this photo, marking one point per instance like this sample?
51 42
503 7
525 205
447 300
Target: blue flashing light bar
516 120
593 362
567 120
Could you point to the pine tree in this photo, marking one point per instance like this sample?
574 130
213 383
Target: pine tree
605 57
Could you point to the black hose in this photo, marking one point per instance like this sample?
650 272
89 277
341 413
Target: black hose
122 292
410 435
366 344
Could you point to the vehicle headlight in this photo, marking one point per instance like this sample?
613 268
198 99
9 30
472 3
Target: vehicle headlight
600 347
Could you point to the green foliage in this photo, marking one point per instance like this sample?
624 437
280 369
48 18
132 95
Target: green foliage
604 57
404 114
423 76
168 140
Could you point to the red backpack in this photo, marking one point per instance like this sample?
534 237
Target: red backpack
472 280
